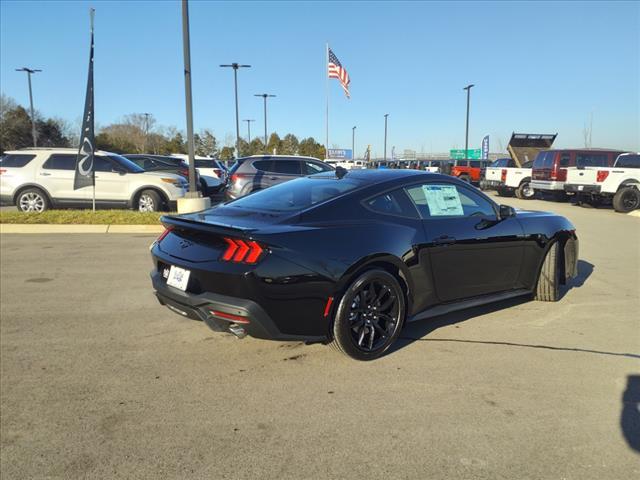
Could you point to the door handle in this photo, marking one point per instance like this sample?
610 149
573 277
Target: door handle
45 174
444 240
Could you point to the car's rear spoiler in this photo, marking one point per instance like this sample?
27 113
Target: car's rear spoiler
524 147
182 223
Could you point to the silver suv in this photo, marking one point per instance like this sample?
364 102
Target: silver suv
258 172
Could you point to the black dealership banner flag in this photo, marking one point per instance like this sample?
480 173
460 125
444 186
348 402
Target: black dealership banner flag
84 176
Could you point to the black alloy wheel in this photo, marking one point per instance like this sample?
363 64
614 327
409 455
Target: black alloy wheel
370 315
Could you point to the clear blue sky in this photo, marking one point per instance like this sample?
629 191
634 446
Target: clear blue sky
538 67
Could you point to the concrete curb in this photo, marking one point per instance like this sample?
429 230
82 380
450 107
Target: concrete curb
51 228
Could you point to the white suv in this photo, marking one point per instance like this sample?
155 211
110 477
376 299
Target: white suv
36 179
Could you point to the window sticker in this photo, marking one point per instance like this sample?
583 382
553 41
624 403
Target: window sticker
443 200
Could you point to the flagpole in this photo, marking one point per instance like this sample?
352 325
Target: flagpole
326 74
92 12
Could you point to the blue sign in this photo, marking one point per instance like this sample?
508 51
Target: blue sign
485 148
339 154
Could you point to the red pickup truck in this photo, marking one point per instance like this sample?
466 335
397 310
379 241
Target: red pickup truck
469 170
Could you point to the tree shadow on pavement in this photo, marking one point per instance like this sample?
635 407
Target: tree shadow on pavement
630 417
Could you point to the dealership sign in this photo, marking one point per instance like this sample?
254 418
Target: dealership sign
340 154
459 154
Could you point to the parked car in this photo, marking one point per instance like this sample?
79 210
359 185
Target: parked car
164 163
209 167
510 180
550 167
250 174
350 257
619 184
501 163
468 170
36 179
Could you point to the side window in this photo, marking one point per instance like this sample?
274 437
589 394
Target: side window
392 203
528 164
60 162
204 164
314 167
102 164
15 161
628 161
287 167
445 200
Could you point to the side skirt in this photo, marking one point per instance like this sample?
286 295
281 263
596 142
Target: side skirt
464 304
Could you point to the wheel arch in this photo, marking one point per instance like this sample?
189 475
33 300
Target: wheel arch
136 195
26 186
629 182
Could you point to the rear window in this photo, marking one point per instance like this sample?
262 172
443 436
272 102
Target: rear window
591 160
205 164
544 160
628 161
297 194
15 160
502 162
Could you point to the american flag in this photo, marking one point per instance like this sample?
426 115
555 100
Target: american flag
337 71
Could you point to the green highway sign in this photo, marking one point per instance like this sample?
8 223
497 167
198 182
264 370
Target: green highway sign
474 154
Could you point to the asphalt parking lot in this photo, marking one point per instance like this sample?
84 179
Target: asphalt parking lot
98 381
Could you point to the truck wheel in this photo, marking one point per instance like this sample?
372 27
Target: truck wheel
370 316
504 192
626 199
524 191
548 288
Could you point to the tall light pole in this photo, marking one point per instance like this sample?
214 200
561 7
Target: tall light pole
146 130
386 115
353 142
264 96
235 67
186 48
31 71
466 134
249 129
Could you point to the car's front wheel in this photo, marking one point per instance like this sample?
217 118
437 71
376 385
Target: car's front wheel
32 200
369 316
149 201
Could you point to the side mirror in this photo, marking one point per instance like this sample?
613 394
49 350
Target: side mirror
507 212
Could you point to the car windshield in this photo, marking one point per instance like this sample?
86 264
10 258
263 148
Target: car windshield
125 163
297 194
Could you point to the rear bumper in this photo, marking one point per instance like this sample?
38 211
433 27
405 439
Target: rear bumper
489 184
218 311
6 200
551 185
576 188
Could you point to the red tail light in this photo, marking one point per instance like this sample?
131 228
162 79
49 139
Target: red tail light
166 232
184 173
242 251
560 175
602 175
2 170
503 176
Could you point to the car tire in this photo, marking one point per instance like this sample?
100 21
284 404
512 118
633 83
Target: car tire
32 200
370 316
504 192
524 191
149 201
548 288
626 199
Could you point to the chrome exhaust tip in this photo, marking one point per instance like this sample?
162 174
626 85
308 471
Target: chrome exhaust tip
237 330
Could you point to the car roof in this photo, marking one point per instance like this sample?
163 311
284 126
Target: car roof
276 157
35 150
376 176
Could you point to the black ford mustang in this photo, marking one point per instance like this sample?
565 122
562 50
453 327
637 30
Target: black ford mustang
349 257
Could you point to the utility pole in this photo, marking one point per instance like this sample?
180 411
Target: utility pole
186 47
146 130
249 129
466 135
386 115
264 96
353 142
235 67
31 71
